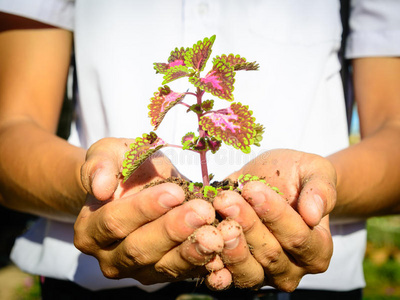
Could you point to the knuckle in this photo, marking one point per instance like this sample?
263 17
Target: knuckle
167 271
287 285
113 226
137 256
269 258
300 240
110 272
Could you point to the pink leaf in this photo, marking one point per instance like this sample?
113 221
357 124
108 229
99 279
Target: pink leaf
161 103
234 126
219 81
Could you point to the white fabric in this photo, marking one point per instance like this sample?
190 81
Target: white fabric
374 28
297 95
58 13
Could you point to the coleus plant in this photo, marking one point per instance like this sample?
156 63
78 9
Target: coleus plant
233 125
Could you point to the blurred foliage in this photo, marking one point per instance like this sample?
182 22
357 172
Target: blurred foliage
382 259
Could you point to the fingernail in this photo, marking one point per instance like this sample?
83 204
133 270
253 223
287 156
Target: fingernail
232 244
231 211
168 201
319 203
194 220
203 250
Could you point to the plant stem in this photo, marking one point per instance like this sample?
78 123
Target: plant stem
203 158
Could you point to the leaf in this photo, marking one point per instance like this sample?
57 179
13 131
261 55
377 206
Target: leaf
259 128
213 144
175 73
161 103
189 140
176 58
141 149
207 105
243 179
197 56
234 126
209 192
238 63
219 81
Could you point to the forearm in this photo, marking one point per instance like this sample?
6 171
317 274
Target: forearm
39 172
368 175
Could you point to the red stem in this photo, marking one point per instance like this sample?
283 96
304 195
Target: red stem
203 158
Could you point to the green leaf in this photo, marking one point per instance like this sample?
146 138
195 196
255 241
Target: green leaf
238 63
161 103
219 81
141 149
175 73
197 56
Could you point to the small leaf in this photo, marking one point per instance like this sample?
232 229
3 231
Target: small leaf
259 133
234 126
238 63
189 140
210 192
195 108
243 179
161 103
219 81
207 105
213 144
141 149
197 56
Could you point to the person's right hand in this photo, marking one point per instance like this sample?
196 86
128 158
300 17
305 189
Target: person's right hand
149 235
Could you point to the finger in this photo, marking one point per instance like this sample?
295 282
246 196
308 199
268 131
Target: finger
219 280
264 245
317 199
215 264
100 224
246 271
197 250
310 247
100 172
149 243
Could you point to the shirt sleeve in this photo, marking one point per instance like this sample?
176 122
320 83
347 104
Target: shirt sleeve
59 13
374 28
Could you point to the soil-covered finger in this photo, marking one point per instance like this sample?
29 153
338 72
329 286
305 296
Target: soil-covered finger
246 271
149 243
306 246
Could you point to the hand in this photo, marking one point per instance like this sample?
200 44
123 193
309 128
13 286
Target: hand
288 234
142 234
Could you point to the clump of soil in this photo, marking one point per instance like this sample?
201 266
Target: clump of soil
197 192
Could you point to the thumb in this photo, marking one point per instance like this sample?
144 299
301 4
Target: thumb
317 199
105 181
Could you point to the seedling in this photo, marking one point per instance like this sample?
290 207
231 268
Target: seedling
234 125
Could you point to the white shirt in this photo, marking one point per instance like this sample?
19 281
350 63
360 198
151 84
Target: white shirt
297 95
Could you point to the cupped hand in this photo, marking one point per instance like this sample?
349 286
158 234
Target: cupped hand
147 234
279 237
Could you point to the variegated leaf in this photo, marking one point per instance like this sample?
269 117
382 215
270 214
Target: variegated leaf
141 149
161 103
238 63
219 81
176 72
176 58
234 126
197 56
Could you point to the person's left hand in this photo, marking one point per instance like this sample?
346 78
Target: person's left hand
275 239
